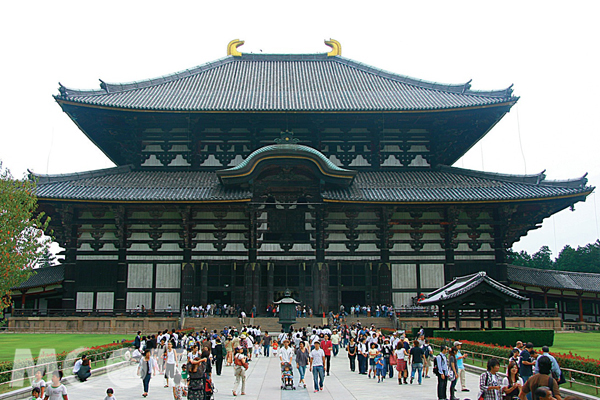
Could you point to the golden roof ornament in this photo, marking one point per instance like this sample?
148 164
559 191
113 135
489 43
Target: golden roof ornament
232 47
336 47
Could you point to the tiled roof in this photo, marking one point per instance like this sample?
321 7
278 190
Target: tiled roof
578 281
285 82
445 184
125 184
465 284
43 277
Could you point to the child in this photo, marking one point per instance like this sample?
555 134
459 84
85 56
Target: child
178 390
110 394
379 365
35 393
288 379
56 390
275 346
184 376
39 383
256 352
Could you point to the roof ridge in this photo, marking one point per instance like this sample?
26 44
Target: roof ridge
555 271
47 178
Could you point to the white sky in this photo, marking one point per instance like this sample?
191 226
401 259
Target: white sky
547 49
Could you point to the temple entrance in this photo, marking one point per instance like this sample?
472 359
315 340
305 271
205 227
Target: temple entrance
219 297
352 298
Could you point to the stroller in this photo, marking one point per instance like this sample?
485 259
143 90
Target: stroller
287 377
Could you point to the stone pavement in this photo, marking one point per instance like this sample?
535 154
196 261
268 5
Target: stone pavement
263 382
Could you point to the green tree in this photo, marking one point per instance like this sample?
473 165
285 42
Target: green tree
542 259
47 259
22 242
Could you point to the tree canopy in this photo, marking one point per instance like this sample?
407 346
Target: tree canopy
583 259
22 240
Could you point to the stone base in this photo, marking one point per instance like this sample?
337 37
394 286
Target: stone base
117 325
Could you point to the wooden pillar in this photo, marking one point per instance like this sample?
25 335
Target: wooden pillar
545 290
457 318
580 298
503 316
482 319
446 318
203 283
23 300
489 317
385 283
270 280
440 316
121 225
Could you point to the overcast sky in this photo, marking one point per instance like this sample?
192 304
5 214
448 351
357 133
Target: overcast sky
548 50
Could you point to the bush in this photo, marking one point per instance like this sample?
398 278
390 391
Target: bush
502 337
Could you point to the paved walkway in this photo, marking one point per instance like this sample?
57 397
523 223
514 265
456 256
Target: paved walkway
263 382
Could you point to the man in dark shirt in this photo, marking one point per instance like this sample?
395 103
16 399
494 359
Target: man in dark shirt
416 357
526 364
543 379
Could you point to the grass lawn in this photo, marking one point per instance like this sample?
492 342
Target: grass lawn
58 342
585 344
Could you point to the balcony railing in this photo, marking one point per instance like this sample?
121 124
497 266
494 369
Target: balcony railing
432 312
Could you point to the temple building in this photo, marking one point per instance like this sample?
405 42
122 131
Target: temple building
254 173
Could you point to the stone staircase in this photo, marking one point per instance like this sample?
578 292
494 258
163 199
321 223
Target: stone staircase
272 324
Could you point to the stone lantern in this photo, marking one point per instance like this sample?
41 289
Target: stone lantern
287 311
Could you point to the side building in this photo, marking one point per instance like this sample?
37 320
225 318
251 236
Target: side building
255 173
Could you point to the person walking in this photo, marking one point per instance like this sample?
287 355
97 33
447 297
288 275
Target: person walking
335 342
352 350
316 366
401 366
442 374
171 361
240 371
302 357
266 342
326 346
218 351
416 359
452 372
363 355
229 349
145 370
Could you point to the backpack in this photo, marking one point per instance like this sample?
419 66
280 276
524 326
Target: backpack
436 369
426 351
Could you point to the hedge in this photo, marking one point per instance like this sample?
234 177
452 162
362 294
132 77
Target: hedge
570 360
502 337
428 331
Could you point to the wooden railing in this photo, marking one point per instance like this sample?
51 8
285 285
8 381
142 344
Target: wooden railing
581 326
432 312
61 312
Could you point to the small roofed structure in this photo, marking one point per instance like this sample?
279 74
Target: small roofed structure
476 292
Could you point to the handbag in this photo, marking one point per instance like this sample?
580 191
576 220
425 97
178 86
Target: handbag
393 359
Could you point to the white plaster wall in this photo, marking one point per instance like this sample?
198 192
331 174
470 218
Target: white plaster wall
139 276
404 276
432 275
105 301
84 301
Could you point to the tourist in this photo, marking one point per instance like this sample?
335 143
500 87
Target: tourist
39 383
302 356
460 364
240 370
387 351
556 372
543 378
171 360
452 372
511 385
35 393
372 354
442 372
326 346
489 381
286 353
266 342
428 358
160 355
218 351
543 393
379 367
352 350
526 365
147 365
401 357
56 390
316 366
335 341
85 370
416 359
110 394
229 349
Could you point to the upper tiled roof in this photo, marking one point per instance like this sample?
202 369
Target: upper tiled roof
448 184
578 281
271 82
465 284
441 185
43 277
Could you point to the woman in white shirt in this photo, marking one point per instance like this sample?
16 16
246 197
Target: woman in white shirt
171 362
147 365
511 385
401 356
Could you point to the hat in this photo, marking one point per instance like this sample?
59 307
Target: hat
457 343
243 335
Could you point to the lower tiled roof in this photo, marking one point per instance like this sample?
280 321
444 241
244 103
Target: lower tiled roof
440 185
566 280
43 277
